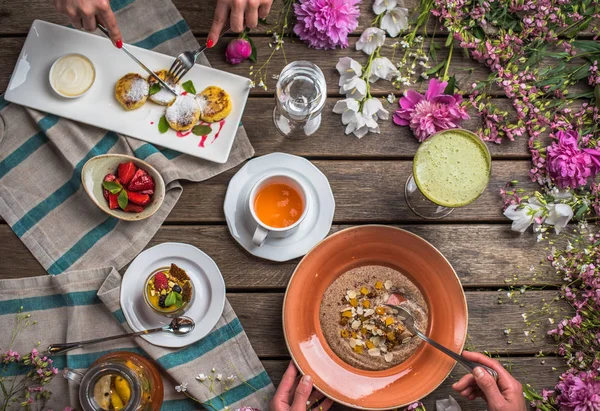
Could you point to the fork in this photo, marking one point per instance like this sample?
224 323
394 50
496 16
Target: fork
186 60
409 322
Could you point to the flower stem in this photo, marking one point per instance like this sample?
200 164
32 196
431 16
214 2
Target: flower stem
448 59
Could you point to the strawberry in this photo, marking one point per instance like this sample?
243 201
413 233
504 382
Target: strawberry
126 172
132 208
138 198
113 201
161 282
141 182
149 192
108 177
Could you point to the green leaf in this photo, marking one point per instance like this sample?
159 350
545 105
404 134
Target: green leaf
597 95
580 212
171 299
252 56
163 125
189 87
202 130
155 88
112 186
449 40
179 301
479 33
123 199
451 86
436 68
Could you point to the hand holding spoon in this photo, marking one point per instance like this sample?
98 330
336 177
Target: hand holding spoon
177 326
409 322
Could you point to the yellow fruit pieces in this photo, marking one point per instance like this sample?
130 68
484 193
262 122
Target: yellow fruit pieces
364 291
370 345
345 333
366 303
358 349
353 302
380 310
389 321
116 401
378 285
123 389
347 313
390 336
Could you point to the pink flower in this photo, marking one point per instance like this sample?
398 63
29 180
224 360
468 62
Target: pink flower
325 24
237 51
578 392
567 164
430 113
414 406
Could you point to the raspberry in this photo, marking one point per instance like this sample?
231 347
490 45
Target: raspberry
160 282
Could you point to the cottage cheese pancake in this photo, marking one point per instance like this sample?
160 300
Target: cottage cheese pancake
360 329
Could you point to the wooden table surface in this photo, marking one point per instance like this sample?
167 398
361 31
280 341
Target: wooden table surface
367 177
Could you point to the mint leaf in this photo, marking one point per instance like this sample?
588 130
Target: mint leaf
123 199
189 87
179 302
252 56
155 88
202 130
163 125
171 299
112 186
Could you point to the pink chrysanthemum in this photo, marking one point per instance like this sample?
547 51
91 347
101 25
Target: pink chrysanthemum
325 24
579 391
427 114
567 164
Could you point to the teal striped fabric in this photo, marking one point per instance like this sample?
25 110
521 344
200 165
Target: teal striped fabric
42 200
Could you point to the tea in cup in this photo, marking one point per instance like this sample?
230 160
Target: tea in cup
277 205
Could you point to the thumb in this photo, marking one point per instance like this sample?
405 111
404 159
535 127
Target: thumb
488 386
303 391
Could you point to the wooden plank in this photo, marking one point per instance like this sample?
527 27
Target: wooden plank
505 254
260 314
365 191
525 369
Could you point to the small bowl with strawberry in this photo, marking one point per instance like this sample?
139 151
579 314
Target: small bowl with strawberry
122 186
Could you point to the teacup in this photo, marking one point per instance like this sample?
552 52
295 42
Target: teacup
262 229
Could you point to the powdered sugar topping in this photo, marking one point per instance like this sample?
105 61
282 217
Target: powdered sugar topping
138 89
164 96
183 108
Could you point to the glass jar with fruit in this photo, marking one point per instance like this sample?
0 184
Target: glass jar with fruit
169 291
119 381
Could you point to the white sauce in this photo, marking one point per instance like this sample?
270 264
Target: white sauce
72 75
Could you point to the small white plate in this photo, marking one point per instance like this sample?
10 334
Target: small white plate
29 86
209 288
313 229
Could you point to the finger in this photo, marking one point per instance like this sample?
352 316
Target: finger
252 15
490 362
472 397
466 392
466 381
264 9
219 20
488 386
237 16
303 391
293 390
89 21
110 22
76 22
287 383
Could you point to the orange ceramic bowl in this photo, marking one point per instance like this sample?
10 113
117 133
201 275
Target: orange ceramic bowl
407 382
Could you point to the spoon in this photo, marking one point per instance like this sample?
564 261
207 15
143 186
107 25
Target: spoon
409 322
177 326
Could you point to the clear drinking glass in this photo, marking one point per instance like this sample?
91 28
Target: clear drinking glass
451 169
300 97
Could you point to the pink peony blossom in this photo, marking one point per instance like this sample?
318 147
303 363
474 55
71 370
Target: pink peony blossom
237 51
579 392
430 113
567 164
325 24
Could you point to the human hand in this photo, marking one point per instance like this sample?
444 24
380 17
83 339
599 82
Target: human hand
505 395
86 13
296 394
241 13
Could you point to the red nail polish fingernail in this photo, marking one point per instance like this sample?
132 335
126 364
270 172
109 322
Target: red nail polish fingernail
209 43
119 43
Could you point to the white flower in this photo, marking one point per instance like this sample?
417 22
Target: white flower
348 69
382 68
348 108
391 98
395 21
201 377
355 88
559 216
370 39
219 377
524 216
181 387
231 378
374 109
379 6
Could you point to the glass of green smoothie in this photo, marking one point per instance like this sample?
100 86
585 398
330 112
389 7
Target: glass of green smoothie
450 169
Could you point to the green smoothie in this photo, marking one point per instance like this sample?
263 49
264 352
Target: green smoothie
452 168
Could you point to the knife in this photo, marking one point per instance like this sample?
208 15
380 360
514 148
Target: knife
142 65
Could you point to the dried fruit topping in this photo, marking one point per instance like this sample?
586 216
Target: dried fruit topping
353 302
366 303
345 333
358 349
389 321
380 310
378 285
364 291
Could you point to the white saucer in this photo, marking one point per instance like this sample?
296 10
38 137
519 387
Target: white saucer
209 289
313 229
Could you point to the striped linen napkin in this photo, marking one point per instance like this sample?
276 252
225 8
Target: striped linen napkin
42 200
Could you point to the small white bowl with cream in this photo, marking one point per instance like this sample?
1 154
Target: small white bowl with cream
72 75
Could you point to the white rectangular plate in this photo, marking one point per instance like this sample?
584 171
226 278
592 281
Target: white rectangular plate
29 86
